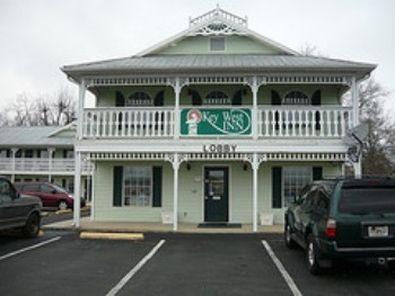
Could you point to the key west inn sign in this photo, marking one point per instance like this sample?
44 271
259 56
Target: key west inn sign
215 121
215 124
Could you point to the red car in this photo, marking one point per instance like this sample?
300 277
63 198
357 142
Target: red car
51 195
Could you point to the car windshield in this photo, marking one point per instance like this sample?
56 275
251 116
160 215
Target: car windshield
377 200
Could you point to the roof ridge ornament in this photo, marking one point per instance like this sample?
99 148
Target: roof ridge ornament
218 14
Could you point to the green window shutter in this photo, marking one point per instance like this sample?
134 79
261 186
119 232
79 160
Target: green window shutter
117 188
317 173
276 187
119 99
157 187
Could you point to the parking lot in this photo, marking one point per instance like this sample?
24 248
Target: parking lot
59 263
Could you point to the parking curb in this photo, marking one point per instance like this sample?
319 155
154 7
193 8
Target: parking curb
111 235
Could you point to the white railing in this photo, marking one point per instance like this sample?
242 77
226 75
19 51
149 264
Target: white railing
272 121
128 122
298 121
41 165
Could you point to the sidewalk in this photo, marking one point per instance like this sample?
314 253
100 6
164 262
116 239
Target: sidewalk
87 225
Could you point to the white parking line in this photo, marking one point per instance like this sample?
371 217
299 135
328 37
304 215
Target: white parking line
30 248
135 269
288 279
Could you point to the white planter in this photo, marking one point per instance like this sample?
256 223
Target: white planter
266 219
167 217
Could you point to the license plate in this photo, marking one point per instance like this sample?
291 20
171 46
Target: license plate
377 231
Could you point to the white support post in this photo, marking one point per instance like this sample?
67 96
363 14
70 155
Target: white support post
13 152
255 167
355 101
177 91
81 104
254 121
50 163
176 166
355 106
93 193
357 169
77 189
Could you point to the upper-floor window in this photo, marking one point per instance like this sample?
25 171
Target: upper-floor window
217 43
295 98
139 99
217 98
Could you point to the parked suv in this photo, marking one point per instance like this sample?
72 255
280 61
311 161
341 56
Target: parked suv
343 219
18 211
51 195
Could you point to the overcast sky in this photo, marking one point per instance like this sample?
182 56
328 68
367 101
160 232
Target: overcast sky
37 37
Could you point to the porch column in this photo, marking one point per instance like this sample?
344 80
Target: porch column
81 104
176 166
77 189
50 163
355 101
13 167
177 90
358 169
355 107
254 122
255 167
92 172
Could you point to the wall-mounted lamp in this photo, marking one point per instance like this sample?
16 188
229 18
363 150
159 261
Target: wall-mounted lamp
245 166
189 166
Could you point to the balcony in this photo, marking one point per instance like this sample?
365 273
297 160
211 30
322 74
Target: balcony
41 166
196 122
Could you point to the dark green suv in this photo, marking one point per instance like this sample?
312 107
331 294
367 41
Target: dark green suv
343 219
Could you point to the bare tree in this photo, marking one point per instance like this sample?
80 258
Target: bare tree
24 111
63 107
45 110
381 131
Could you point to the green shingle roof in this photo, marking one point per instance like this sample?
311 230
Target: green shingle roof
32 137
216 62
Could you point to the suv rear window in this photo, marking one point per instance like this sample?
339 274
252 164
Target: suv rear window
367 200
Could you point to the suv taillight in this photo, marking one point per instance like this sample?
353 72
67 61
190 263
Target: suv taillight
330 230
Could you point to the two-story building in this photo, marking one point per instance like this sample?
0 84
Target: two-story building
42 153
215 124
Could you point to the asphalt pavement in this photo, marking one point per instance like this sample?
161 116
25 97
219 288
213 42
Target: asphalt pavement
60 263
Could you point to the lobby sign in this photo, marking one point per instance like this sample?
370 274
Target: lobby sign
215 121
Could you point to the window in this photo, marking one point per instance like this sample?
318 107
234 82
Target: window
139 99
217 43
137 186
5 190
47 189
296 98
295 179
217 98
31 188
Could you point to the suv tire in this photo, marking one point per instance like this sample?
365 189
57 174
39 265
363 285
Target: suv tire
312 256
32 226
289 242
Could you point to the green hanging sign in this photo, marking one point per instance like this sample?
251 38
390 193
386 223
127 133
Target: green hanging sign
215 121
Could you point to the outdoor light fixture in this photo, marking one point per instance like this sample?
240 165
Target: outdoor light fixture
189 166
245 166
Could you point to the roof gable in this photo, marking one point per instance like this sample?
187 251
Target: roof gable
217 22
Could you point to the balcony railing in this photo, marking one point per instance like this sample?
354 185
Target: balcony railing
282 121
272 121
128 122
41 165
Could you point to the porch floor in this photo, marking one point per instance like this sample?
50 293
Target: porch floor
88 225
